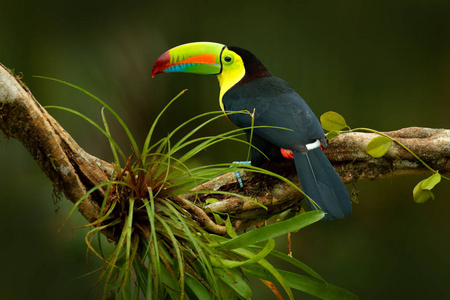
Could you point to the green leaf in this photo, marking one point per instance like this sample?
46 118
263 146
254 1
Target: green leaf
430 182
267 267
218 219
287 214
254 258
421 195
211 200
122 123
173 288
229 227
331 134
90 121
422 191
197 287
332 121
316 288
378 146
234 281
264 233
113 148
294 262
302 283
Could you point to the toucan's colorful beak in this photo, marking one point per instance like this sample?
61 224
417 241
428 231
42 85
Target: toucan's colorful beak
198 58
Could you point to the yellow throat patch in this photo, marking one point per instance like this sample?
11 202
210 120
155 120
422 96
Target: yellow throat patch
233 70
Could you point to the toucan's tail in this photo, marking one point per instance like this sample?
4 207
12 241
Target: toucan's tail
322 184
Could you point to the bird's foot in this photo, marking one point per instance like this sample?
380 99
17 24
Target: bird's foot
238 175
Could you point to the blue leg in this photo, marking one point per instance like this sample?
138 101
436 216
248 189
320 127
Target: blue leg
238 175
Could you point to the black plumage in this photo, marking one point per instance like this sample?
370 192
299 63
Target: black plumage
275 103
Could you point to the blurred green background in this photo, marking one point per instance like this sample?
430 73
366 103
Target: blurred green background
381 64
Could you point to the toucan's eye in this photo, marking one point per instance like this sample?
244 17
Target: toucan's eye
228 58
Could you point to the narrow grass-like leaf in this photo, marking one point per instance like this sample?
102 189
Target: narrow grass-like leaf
152 128
126 268
87 194
219 114
172 285
121 122
113 258
150 291
229 227
204 143
90 121
302 283
294 262
137 290
141 272
273 288
105 198
207 142
211 140
264 233
97 230
176 247
197 288
101 218
197 246
253 259
218 219
153 252
268 267
234 281
316 288
112 145
251 135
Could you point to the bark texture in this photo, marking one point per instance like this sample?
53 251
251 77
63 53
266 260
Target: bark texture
73 171
66 164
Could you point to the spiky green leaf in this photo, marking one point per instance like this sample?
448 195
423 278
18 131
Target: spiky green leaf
236 282
264 233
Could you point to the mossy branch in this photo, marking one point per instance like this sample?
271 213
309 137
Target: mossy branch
73 171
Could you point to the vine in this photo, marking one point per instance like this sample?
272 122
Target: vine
335 124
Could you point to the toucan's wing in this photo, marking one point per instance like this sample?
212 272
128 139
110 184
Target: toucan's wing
275 103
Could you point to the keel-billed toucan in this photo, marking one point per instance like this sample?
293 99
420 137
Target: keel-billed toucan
247 85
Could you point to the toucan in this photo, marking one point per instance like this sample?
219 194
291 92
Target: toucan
284 125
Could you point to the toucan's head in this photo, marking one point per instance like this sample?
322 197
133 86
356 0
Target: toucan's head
232 65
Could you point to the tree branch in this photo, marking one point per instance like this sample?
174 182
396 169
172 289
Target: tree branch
348 156
66 164
73 171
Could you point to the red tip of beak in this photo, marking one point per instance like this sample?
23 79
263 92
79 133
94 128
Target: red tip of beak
161 64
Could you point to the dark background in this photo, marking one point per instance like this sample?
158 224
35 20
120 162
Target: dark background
381 64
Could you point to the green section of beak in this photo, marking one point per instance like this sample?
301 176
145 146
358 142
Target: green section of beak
198 58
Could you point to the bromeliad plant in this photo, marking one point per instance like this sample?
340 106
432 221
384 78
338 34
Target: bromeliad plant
166 247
